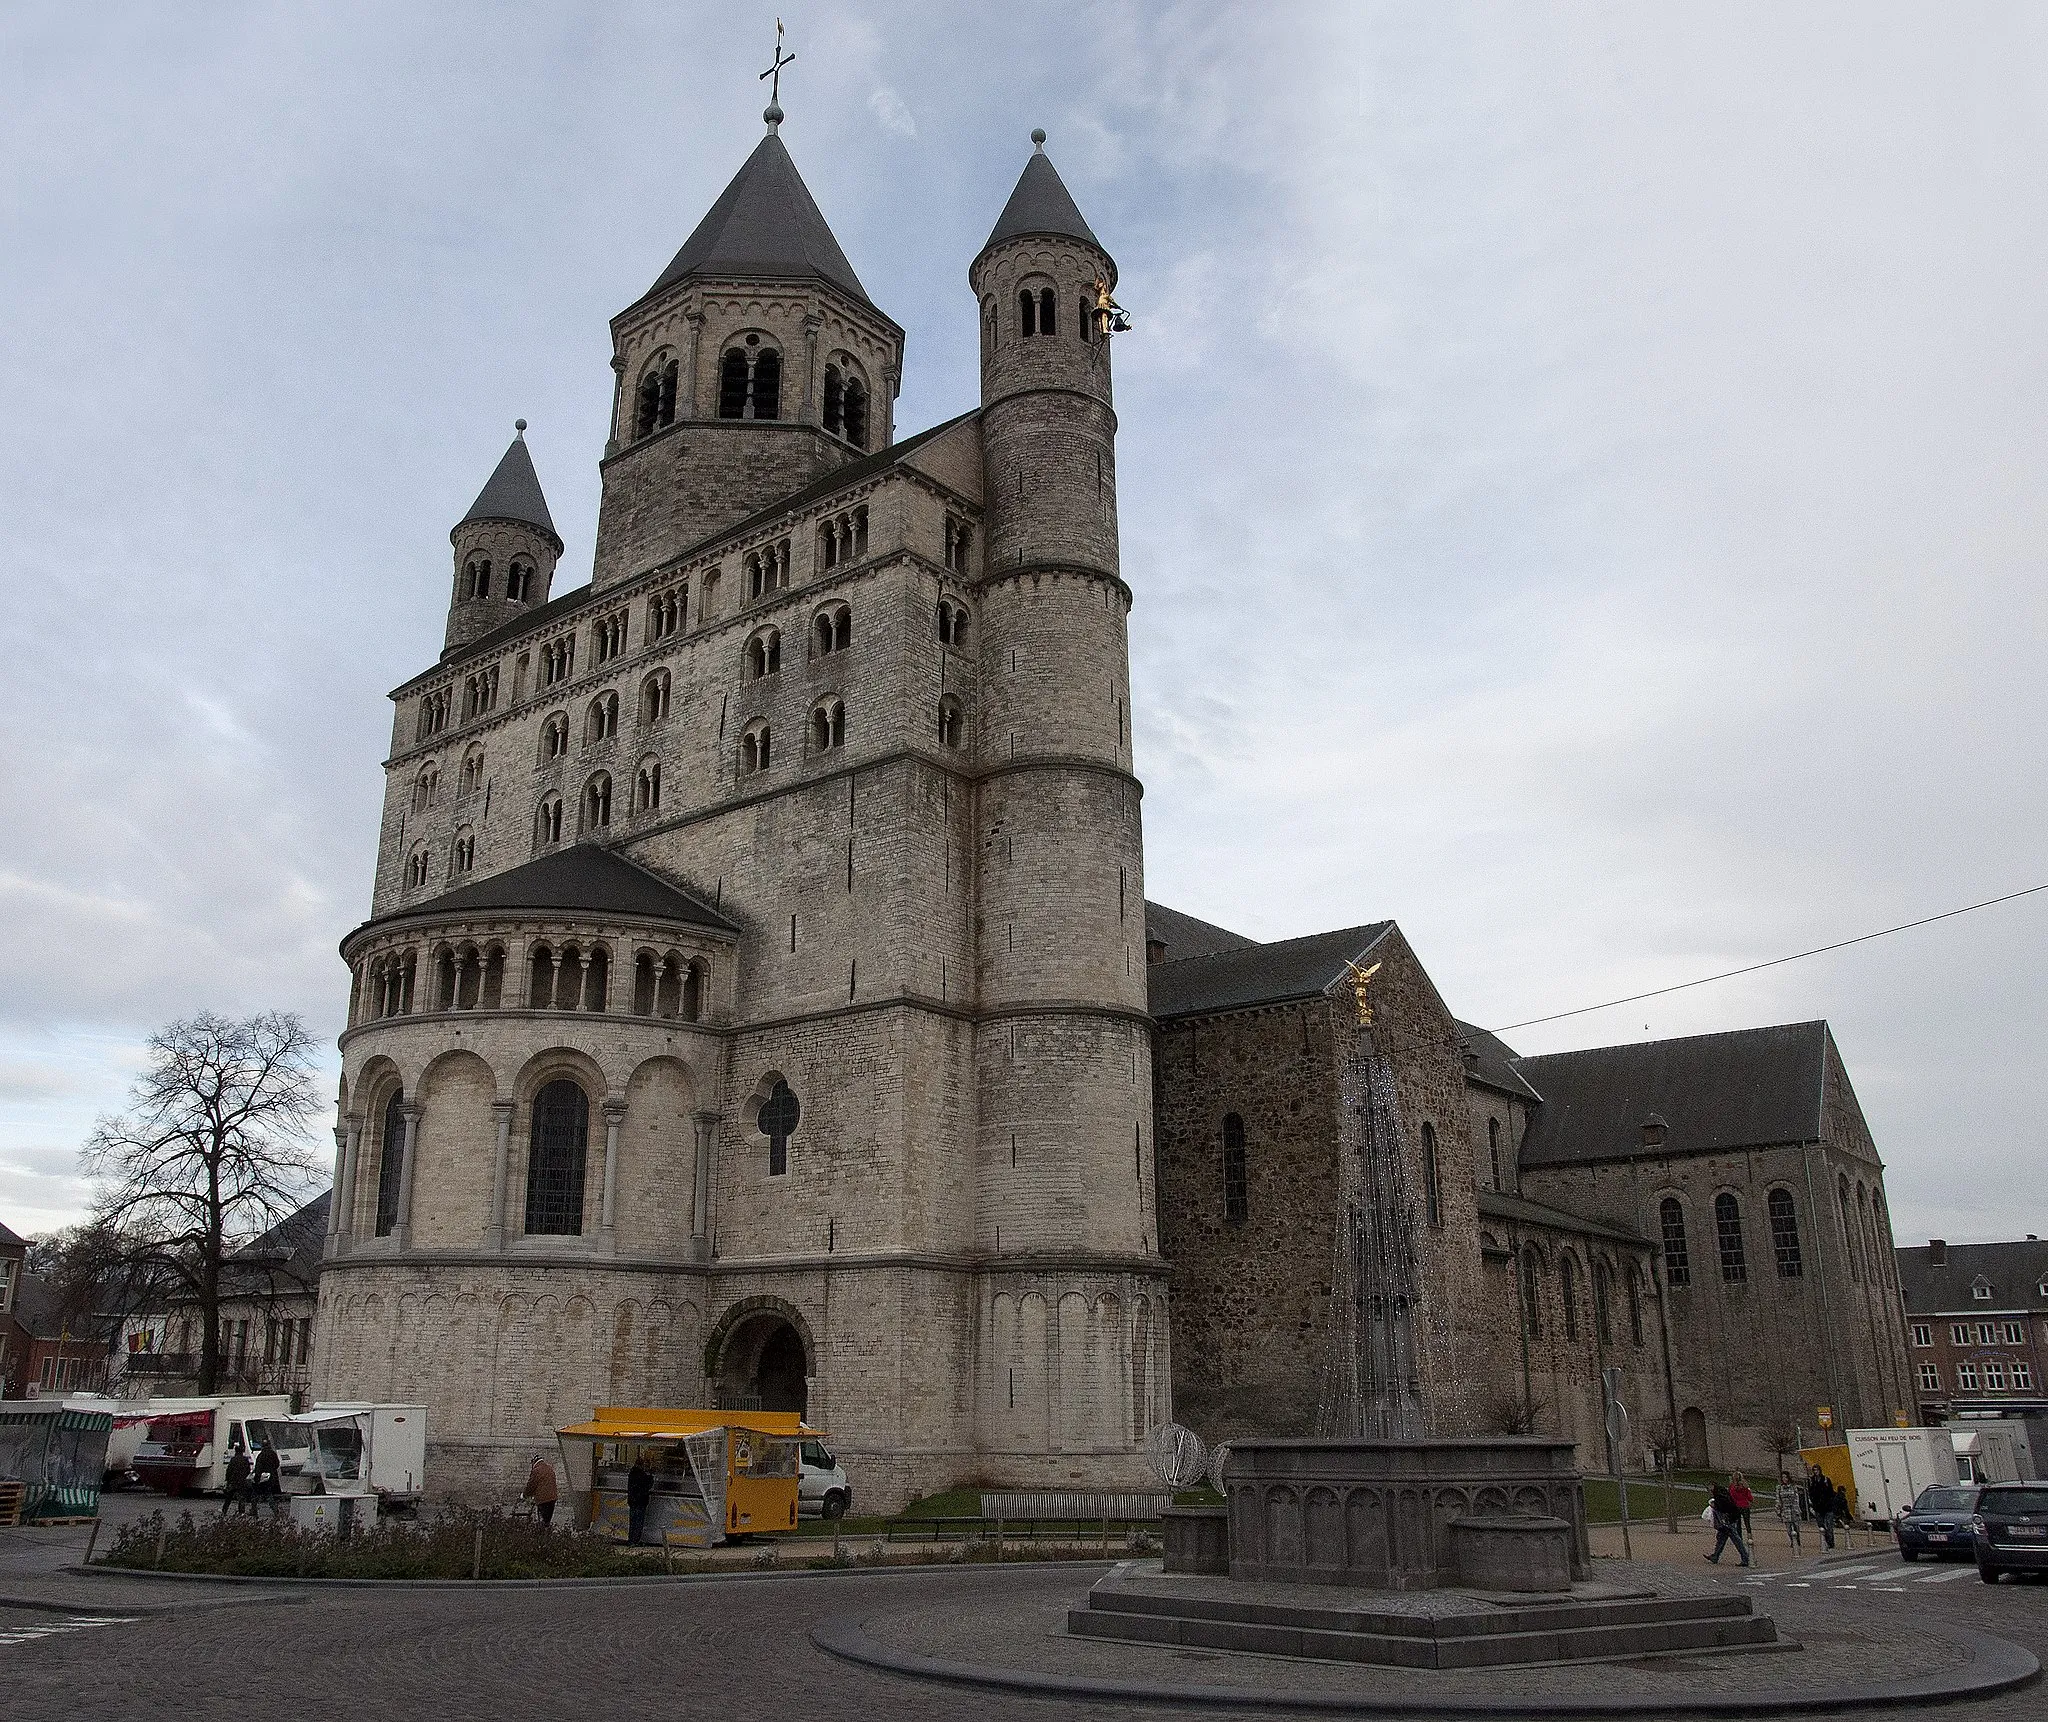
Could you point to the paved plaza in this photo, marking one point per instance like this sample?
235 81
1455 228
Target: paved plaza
742 1647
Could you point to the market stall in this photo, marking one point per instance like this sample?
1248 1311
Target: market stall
53 1457
717 1474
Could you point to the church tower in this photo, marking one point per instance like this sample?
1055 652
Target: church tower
1063 1038
506 548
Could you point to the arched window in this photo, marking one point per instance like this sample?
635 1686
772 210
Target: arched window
780 1114
828 727
1671 1223
1635 1308
554 736
832 630
692 1003
1532 1293
835 399
1849 1231
764 654
1048 312
1568 1293
750 381
647 786
547 821
426 788
1432 1189
475 581
390 1163
1728 1234
462 856
603 721
654 694
754 749
556 1149
519 580
952 623
1237 1201
856 412
1027 312
597 802
655 400
1603 1299
668 612
1084 321
416 869
949 722
472 772
1493 1148
1785 1235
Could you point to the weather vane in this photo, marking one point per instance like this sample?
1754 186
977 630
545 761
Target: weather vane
775 72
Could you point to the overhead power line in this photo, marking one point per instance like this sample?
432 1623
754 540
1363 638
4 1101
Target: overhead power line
1778 962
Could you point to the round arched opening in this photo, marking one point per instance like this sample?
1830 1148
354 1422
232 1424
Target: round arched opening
763 1366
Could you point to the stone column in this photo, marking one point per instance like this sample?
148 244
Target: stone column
614 1116
401 1228
496 1238
812 324
611 443
334 1200
686 404
345 1191
700 1198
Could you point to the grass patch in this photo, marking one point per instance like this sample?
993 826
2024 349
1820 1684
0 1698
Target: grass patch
1645 1499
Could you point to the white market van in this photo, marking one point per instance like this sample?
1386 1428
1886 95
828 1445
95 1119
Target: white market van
1892 1466
187 1441
354 1447
1985 1454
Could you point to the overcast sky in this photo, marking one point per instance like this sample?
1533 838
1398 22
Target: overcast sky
1582 471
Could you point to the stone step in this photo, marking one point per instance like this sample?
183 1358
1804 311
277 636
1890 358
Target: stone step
1705 1628
1328 1618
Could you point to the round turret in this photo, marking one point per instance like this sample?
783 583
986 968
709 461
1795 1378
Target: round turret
506 548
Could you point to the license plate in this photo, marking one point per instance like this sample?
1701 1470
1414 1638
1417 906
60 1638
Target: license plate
1937 1536
2026 1530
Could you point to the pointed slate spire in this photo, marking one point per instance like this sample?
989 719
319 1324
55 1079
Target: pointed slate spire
513 491
1042 204
766 225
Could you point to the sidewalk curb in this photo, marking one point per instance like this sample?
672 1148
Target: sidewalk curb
638 1582
45 1605
1995 1665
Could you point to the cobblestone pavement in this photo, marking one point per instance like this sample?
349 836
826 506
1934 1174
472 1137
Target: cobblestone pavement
739 1649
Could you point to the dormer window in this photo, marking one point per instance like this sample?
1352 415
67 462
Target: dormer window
1980 1288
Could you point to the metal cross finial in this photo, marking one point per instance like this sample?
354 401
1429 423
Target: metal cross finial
775 71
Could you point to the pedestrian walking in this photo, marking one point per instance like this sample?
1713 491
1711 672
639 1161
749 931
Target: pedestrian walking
269 1480
1789 1502
540 1490
1727 1525
235 1498
1820 1499
1744 1498
639 1491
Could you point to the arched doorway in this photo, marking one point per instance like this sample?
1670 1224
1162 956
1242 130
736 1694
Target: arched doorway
1692 1439
763 1364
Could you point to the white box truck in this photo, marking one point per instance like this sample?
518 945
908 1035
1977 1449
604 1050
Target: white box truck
1986 1453
1892 1466
358 1448
2029 1438
187 1441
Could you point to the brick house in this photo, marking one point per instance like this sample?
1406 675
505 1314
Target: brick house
1977 1324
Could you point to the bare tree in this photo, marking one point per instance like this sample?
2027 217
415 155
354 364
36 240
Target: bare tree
211 1154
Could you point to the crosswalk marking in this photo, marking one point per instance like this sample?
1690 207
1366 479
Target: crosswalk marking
1845 1572
1944 1578
77 1623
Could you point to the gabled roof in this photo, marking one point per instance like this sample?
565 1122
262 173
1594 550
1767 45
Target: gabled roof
582 879
1747 1089
2014 1271
1042 204
1493 1063
513 491
1244 976
8 1237
1499 1205
764 225
1184 936
293 1246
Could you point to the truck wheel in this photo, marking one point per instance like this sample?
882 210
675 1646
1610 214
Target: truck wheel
834 1506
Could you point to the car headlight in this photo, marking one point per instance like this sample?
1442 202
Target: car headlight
1977 1524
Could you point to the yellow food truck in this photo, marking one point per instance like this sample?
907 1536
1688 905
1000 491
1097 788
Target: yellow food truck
718 1475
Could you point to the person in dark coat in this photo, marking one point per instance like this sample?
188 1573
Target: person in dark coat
235 1498
1821 1496
639 1491
1727 1525
269 1478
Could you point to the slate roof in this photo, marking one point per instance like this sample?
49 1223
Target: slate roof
513 492
294 1244
1745 1089
1249 975
2016 1272
1042 204
9 1237
764 225
583 878
1184 936
1499 1205
1494 1064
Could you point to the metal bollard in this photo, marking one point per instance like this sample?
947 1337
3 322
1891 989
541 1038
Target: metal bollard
91 1542
476 1560
160 1535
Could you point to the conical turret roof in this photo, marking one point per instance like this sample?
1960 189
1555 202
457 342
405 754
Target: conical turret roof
1042 204
513 491
765 224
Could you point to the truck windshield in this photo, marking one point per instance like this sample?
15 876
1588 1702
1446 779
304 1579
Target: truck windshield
285 1437
341 1451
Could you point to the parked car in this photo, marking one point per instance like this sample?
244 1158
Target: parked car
2011 1528
1938 1523
822 1489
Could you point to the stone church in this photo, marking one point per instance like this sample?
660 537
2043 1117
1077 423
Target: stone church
760 1007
